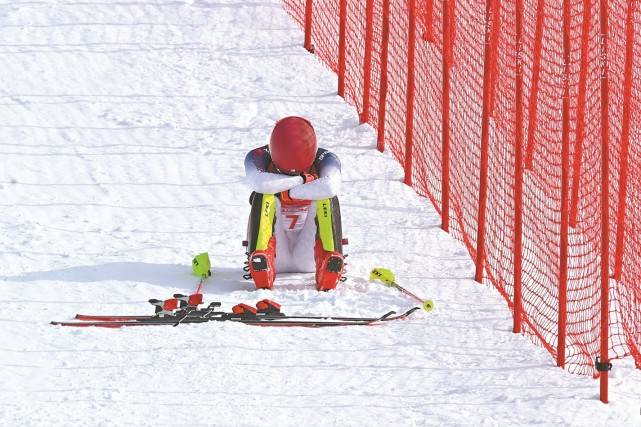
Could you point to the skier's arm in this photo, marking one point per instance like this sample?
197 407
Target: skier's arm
328 183
260 180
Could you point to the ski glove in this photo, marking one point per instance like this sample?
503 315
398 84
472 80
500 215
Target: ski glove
308 177
285 197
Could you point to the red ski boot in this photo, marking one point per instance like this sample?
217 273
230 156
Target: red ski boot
329 267
261 266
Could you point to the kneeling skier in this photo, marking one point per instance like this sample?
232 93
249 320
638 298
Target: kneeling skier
294 224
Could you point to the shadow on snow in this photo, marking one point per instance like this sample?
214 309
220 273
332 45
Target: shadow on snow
176 276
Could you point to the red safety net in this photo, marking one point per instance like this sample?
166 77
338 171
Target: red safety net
563 213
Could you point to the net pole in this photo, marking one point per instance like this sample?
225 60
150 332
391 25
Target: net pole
518 171
565 187
382 97
605 189
445 119
367 60
409 118
490 27
342 22
308 25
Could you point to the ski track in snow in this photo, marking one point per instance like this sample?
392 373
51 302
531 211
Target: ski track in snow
123 128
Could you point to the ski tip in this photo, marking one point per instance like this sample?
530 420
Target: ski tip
111 325
388 314
428 305
411 310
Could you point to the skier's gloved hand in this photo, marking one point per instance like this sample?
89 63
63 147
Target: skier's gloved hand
308 177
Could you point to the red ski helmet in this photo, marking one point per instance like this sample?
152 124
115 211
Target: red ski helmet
293 145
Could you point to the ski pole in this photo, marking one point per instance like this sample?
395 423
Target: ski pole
201 266
387 278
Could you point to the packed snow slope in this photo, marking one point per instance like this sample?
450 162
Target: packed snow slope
123 128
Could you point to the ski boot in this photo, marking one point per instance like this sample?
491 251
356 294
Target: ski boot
329 267
261 266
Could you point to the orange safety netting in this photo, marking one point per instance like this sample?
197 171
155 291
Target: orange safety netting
546 201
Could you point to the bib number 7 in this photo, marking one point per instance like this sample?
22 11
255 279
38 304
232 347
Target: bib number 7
293 218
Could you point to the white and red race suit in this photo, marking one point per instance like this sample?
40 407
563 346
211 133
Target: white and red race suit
296 229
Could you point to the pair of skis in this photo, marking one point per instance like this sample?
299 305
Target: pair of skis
185 309
268 314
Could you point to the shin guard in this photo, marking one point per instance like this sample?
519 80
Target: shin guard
261 241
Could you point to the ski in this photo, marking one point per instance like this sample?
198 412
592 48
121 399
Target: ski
331 321
98 318
121 323
254 320
163 313
179 315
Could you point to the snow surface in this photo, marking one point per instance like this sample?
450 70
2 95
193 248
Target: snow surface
123 126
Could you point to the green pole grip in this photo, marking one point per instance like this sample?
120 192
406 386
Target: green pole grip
201 266
384 275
